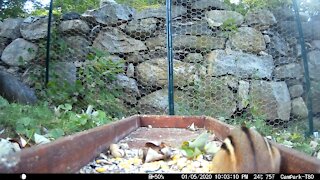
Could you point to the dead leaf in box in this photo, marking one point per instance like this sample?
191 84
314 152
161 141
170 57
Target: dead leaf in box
153 144
152 155
116 151
167 152
23 142
192 127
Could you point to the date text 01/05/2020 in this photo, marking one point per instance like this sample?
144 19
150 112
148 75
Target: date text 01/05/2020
234 176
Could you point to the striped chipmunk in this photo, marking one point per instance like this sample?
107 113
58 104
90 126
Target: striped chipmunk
246 151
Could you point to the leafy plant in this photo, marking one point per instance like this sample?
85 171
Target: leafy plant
97 78
58 47
142 4
243 6
73 122
79 6
26 119
229 26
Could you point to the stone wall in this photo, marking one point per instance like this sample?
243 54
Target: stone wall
256 66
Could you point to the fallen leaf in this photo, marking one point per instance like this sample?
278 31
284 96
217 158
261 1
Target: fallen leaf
152 155
153 144
23 142
192 127
167 152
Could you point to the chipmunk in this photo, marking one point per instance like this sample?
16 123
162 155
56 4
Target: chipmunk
246 151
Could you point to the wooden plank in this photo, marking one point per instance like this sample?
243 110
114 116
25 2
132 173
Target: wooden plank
221 129
70 153
293 161
165 121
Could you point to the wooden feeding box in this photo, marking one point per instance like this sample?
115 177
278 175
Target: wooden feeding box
70 153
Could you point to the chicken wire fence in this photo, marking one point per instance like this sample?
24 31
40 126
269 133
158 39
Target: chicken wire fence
234 62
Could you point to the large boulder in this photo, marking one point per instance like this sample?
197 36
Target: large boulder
113 40
296 90
74 26
240 64
63 72
130 87
315 96
278 47
314 65
10 28
19 52
34 27
109 14
3 44
155 73
243 94
299 108
188 43
78 47
210 96
195 28
270 100
15 91
157 102
289 71
260 19
143 28
248 39
216 18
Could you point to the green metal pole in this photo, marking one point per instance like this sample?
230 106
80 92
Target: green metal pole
306 68
170 59
48 44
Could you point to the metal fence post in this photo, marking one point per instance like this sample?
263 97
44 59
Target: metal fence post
169 56
305 65
48 44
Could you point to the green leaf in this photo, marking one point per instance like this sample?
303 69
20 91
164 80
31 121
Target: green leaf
196 152
200 141
26 121
20 128
66 107
189 151
56 133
